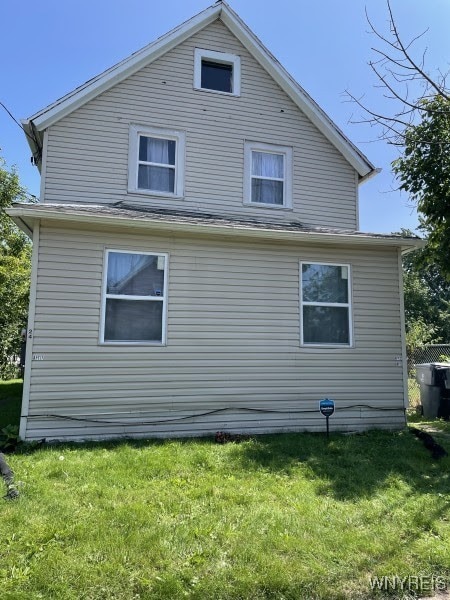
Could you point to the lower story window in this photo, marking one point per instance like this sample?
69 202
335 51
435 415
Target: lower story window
325 304
134 302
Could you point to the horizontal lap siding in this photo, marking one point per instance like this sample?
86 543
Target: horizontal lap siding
233 341
87 158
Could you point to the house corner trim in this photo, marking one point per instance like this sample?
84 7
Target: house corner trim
30 334
403 332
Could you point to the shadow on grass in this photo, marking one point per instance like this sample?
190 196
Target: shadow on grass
351 467
345 467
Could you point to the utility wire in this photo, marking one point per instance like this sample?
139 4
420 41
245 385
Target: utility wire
31 137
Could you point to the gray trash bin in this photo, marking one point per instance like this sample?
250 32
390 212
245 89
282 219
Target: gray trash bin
428 375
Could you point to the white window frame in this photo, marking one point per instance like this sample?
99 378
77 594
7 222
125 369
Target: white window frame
348 305
162 299
218 57
287 152
133 159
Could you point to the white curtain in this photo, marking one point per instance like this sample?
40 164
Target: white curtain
121 266
159 151
267 178
267 165
155 150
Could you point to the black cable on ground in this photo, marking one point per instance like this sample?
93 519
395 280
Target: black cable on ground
437 451
208 413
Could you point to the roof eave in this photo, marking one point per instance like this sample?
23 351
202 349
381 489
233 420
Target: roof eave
27 216
35 141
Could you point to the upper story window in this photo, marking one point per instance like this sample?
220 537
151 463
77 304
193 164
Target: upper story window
217 72
267 175
134 297
156 161
325 299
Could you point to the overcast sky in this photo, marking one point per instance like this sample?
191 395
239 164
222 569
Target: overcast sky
51 46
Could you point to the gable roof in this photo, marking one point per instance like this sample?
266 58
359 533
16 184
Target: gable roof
36 124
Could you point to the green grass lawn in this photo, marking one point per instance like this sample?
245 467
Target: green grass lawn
289 516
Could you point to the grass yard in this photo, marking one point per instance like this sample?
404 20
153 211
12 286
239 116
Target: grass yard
284 517
288 516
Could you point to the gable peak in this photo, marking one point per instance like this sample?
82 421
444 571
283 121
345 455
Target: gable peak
39 122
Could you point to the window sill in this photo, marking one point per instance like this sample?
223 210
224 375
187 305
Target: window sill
269 206
328 346
139 344
207 90
148 193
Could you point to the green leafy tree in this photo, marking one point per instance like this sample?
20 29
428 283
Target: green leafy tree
15 261
427 301
424 172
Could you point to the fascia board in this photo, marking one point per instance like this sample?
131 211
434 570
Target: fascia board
24 223
29 215
33 138
61 108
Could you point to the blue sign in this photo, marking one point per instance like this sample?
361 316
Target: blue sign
326 407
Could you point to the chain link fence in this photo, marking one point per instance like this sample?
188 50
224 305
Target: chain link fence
424 354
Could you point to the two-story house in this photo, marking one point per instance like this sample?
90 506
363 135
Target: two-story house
197 264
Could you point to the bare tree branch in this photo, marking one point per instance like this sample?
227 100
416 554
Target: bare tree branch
405 81
404 50
375 118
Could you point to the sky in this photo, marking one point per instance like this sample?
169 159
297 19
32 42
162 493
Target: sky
50 47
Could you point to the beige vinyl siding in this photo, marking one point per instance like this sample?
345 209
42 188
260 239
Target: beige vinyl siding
87 153
233 341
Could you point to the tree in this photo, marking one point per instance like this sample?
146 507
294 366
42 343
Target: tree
419 124
15 261
427 301
424 172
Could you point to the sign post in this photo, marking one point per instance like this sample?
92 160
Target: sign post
326 407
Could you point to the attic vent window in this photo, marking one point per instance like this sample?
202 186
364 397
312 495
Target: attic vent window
217 72
217 76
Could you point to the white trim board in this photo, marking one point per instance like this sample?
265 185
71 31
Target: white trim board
30 335
404 360
94 87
